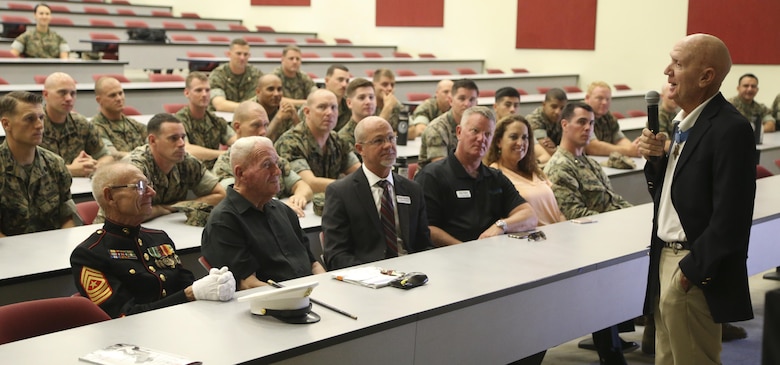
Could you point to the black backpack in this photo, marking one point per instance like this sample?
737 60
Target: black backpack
147 35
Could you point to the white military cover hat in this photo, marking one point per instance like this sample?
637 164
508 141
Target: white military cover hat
289 304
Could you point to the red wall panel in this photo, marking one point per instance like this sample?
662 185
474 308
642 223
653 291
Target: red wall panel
282 2
748 27
556 24
396 13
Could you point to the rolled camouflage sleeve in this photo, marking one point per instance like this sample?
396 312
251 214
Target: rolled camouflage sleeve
289 147
93 143
206 183
67 206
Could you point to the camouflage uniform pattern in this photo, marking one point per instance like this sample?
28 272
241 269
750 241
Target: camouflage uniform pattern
395 115
34 198
233 87
753 110
70 138
224 173
543 127
297 87
776 108
429 109
300 148
347 134
666 122
581 186
187 175
125 134
607 129
438 139
209 132
34 44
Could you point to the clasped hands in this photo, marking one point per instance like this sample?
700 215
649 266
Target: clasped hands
219 284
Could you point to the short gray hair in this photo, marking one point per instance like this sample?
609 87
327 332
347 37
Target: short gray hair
481 110
243 147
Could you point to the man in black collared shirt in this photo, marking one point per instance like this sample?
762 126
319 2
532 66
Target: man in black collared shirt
467 200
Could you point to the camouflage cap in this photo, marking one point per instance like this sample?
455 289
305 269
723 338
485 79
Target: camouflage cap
197 212
318 201
618 161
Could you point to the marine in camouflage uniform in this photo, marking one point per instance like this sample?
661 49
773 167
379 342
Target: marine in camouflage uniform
395 115
300 148
187 175
34 44
128 270
607 129
345 114
776 109
347 134
666 121
233 87
543 127
209 132
125 134
753 110
438 139
581 186
297 87
68 139
287 123
35 197
429 109
224 173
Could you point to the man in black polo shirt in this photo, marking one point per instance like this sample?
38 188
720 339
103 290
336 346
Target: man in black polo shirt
465 199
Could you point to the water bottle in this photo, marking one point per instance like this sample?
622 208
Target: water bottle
403 126
758 129
401 166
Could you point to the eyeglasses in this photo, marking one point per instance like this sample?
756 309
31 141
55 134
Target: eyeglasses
141 186
380 141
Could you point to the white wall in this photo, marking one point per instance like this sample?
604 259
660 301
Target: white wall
633 38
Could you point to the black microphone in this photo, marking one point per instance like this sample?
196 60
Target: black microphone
652 98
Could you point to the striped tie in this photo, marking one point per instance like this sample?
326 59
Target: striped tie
387 216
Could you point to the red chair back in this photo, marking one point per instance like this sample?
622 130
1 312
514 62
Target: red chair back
38 317
173 108
87 210
129 110
165 78
417 96
762 172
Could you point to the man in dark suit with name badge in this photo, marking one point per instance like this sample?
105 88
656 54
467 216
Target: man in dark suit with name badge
373 213
703 192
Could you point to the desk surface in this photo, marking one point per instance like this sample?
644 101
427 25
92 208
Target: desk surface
24 70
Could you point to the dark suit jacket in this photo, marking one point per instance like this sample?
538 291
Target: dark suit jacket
713 191
353 231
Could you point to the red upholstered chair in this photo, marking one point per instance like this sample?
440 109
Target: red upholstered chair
466 71
417 96
129 110
7 54
572 89
40 79
314 41
370 73
205 26
495 71
253 39
522 91
118 77
101 23
285 40
401 55
312 75
136 24
191 15
372 55
20 6
618 115
264 28
342 41
3 82
173 108
58 9
173 25
636 113
38 317
203 262
342 55
56 20
15 19
110 49
120 2
183 38
218 39
93 1
273 54
413 169
87 210
440 72
487 93
777 163
542 89
162 13
427 55
762 172
193 54
405 73
622 87
520 70
238 28
125 12
165 78
309 55
95 10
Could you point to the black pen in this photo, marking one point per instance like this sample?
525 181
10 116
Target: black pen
315 301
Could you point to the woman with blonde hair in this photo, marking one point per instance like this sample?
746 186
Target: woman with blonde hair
512 152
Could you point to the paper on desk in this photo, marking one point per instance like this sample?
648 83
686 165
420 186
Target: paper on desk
122 354
371 276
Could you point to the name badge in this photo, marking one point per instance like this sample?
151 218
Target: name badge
463 194
403 199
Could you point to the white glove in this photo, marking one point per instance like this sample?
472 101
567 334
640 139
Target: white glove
219 284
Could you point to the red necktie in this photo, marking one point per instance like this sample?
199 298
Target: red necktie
387 216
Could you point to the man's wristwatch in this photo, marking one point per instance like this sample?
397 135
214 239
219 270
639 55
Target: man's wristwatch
501 224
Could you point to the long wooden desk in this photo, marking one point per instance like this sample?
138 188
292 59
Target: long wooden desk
80 18
23 70
482 298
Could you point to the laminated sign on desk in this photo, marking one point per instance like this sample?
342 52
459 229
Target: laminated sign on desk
122 354
371 276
